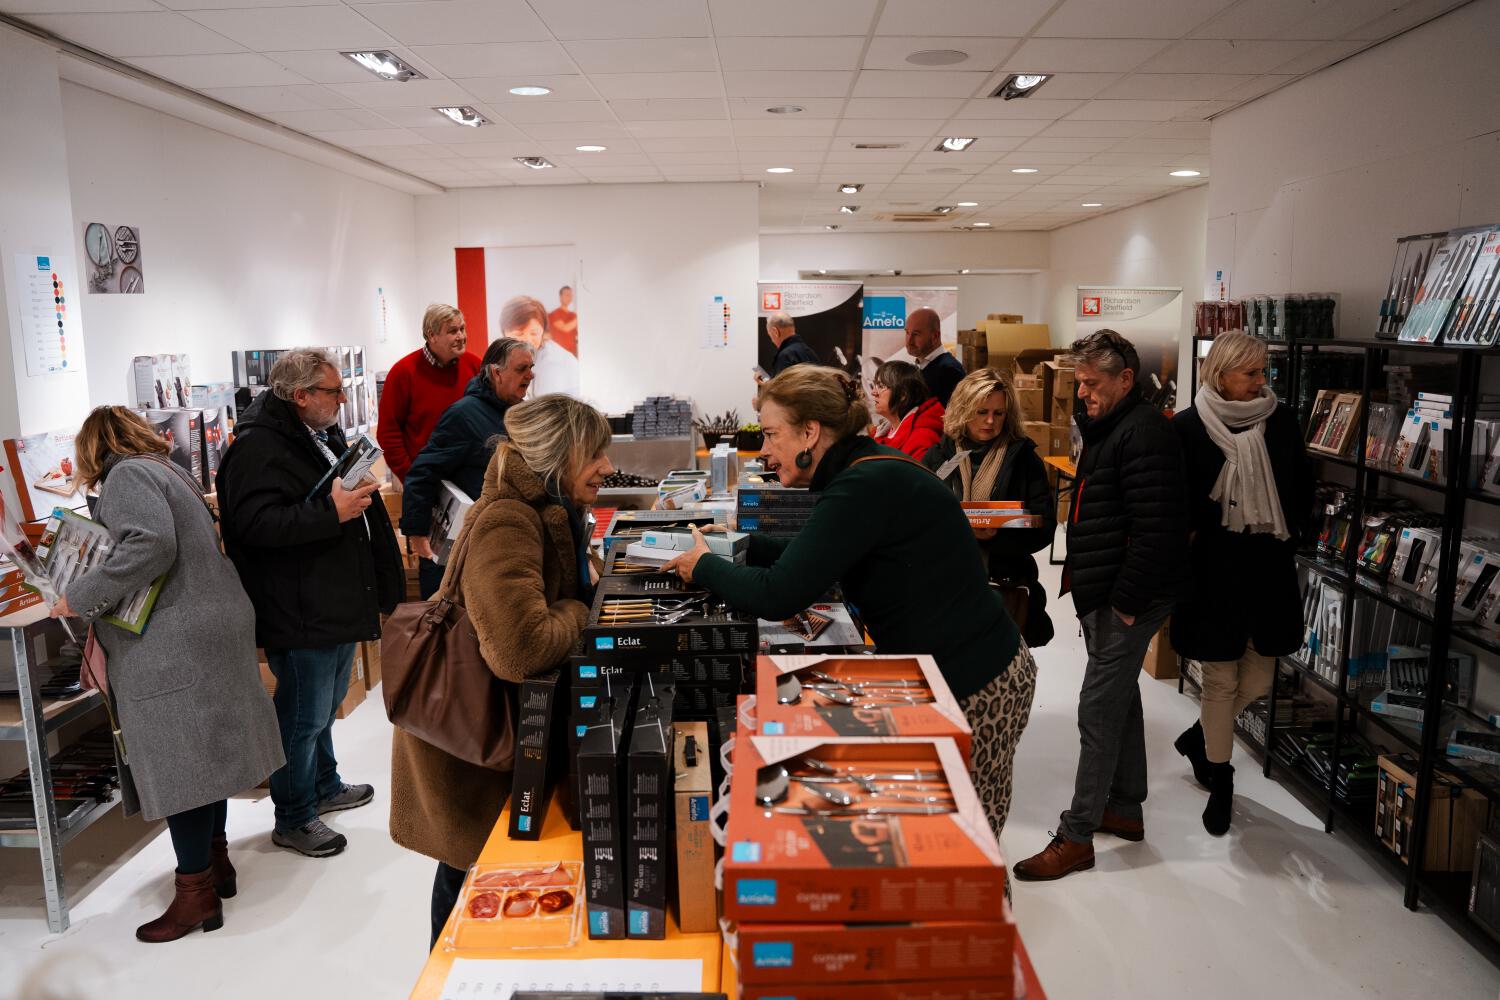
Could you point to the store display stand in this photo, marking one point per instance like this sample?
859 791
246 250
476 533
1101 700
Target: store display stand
32 722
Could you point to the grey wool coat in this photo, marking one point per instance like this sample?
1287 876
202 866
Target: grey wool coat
197 724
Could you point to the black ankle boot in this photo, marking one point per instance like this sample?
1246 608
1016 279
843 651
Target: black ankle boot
1216 814
1190 745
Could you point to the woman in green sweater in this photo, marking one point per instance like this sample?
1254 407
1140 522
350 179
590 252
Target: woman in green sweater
895 538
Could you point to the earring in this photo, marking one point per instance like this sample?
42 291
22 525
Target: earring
804 458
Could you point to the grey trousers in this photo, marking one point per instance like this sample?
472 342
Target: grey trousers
1111 729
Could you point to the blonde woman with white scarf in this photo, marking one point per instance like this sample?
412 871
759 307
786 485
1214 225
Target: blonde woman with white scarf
1250 492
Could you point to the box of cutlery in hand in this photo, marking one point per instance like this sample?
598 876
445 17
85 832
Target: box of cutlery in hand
651 807
628 526
857 830
822 696
539 701
601 808
626 620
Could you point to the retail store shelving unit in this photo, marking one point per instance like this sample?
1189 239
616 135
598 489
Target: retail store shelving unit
31 719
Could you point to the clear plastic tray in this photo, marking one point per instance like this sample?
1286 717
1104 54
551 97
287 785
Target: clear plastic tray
518 906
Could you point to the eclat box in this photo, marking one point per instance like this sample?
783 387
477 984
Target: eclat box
893 865
601 781
648 839
818 717
538 701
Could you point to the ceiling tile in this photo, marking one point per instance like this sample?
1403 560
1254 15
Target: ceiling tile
1113 19
812 107
1020 158
321 66
260 100
672 110
895 83
795 125
333 121
226 4
471 151
1046 144
983 129
1203 55
292 29
456 22
1270 18
787 84
559 111
1087 55
1338 20
1175 86
437 157
497 88
1131 159
984 54
1168 147
1258 86
902 107
1323 56
371 137
638 86
1013 18
644 55
858 156
1030 107
696 144
25 7
578 133
412 94
617 149
746 54
895 127
1070 86
457 136
698 160
570 19
1132 110
498 58
778 143
143 34
239 69
1179 130
1100 130
682 128
1408 16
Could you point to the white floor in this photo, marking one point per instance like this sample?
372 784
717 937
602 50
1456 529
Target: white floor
1276 909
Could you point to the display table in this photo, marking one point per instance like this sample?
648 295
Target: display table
1063 469
560 843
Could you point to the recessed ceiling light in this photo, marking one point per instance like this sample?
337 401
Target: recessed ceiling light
822 271
1020 85
1093 204
534 162
1023 170
848 209
830 228
982 225
937 57
591 149
385 66
530 91
851 188
1186 173
779 170
963 270
785 109
955 144
968 204
463 116
943 209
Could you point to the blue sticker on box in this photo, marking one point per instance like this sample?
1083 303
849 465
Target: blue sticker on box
588 671
771 954
640 921
598 923
749 499
581 730
698 808
604 642
756 891
745 851
523 823
772 729
588 701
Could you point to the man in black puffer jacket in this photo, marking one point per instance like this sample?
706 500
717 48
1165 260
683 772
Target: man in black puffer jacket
1127 565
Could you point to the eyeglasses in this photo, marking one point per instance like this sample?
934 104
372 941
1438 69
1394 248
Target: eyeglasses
339 391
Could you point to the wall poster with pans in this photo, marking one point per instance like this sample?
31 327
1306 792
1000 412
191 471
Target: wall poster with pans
114 256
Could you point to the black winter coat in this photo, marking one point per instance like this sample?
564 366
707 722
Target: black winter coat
314 581
793 351
1128 533
1009 554
1245 585
459 451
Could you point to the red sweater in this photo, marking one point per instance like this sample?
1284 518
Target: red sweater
919 430
415 396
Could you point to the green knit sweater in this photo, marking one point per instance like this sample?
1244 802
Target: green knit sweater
897 541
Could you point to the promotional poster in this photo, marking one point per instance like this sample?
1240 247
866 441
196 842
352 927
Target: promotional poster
828 314
1150 318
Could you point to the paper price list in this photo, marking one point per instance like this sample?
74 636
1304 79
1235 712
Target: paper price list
46 327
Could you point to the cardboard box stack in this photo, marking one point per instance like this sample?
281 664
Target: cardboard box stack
1458 816
973 349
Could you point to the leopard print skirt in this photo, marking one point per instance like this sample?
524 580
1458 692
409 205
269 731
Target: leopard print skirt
997 713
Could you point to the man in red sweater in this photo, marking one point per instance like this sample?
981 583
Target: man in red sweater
422 385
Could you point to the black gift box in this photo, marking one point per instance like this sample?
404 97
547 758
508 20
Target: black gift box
539 701
649 848
602 811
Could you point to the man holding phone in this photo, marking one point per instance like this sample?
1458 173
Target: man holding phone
790 348
319 567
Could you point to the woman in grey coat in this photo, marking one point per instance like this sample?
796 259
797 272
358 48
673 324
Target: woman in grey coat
196 723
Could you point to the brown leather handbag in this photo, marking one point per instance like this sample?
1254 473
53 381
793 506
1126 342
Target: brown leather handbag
437 685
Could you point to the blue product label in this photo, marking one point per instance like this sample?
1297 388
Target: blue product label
523 823
756 891
885 312
772 729
698 808
587 701
606 642
749 523
745 851
598 922
771 954
640 921
588 671
44 263
580 730
749 499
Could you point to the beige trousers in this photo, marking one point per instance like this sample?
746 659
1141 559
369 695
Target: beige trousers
1228 686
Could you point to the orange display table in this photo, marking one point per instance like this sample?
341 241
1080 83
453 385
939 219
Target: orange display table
560 843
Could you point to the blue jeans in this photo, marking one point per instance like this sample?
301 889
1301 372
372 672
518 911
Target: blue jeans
310 685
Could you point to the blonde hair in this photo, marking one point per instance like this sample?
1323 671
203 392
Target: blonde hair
554 435
109 431
299 369
436 317
1231 351
970 394
817 392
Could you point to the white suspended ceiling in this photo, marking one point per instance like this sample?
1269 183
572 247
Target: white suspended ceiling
678 89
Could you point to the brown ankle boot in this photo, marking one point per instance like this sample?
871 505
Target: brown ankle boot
195 905
1057 859
1117 826
224 875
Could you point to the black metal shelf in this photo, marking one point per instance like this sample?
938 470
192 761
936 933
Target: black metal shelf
1317 678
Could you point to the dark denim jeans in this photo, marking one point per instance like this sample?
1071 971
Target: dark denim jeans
310 685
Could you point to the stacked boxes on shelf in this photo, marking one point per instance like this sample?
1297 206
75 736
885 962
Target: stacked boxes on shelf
661 417
771 509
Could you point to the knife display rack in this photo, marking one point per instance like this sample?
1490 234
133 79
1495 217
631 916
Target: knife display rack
1444 288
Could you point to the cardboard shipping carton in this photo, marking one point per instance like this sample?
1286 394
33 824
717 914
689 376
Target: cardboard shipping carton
1006 341
1039 431
697 899
1161 658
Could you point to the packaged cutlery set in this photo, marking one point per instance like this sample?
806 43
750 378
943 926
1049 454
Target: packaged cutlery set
1445 289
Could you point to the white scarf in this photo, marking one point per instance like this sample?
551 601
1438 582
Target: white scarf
1246 487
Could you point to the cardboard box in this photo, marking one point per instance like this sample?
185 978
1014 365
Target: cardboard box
1161 658
1007 340
372 665
537 703
993 988
815 716
1034 404
651 807
1039 431
782 866
998 514
1456 819
1063 377
1057 439
697 899
356 693
860 953
601 780
1005 318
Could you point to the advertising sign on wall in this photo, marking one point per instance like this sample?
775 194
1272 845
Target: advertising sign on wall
827 315
885 313
1149 317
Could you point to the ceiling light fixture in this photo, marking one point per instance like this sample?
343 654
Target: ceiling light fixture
785 109
779 170
968 204
955 144
848 209
981 225
937 57
830 228
534 162
1020 85
851 188
943 209
591 149
463 116
1186 173
384 65
1023 170
1093 204
822 271
531 91
963 270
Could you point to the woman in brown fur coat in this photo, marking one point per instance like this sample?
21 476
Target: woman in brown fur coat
526 583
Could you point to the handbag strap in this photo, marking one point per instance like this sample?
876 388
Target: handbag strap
197 490
893 458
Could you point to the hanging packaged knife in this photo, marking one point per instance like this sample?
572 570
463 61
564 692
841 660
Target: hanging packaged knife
1477 292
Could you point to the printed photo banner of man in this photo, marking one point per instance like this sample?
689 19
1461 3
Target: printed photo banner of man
829 316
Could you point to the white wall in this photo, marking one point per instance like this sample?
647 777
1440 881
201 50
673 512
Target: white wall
241 246
651 258
1312 184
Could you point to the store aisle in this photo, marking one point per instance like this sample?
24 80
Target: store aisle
1276 908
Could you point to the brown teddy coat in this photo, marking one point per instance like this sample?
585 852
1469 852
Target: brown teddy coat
516 584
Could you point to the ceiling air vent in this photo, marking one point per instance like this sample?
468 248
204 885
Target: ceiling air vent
910 217
880 145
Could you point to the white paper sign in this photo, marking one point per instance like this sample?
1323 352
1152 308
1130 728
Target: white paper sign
715 323
497 979
49 323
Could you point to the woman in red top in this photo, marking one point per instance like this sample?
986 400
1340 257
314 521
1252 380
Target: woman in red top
902 398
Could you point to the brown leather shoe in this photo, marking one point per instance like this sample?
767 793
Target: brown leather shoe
1059 858
195 905
225 881
1119 826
